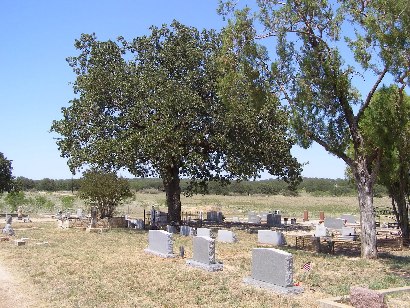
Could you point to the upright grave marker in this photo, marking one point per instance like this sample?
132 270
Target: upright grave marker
204 254
160 243
334 223
226 236
203 232
271 237
272 269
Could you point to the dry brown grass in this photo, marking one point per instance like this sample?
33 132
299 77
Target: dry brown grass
79 269
241 205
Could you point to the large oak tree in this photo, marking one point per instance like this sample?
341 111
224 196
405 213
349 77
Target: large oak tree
152 106
323 48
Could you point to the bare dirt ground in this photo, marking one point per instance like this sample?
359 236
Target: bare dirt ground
12 290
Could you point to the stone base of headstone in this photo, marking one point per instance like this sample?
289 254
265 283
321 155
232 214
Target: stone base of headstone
20 242
208 267
272 287
159 254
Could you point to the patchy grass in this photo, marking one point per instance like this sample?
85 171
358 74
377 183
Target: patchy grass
79 269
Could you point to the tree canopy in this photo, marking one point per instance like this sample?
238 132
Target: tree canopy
386 125
6 174
314 72
105 190
152 106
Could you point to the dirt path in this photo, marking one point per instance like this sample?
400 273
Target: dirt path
12 292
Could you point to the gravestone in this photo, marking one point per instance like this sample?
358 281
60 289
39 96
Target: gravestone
80 213
235 219
204 254
321 231
185 230
366 298
94 212
20 213
226 236
334 223
160 243
214 216
9 219
348 233
136 224
253 218
274 220
271 237
161 218
171 229
8 230
350 219
272 269
203 232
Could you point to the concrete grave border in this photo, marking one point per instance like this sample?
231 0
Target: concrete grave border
334 302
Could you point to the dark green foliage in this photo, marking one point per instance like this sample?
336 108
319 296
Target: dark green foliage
46 185
387 116
105 190
157 106
6 177
315 75
25 184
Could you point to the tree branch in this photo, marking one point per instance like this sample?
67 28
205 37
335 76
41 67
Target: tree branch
330 149
370 95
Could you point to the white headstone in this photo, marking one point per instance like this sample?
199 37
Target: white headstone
203 232
160 243
271 237
204 254
226 236
321 230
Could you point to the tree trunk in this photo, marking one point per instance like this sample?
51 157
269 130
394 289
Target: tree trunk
173 194
400 207
365 184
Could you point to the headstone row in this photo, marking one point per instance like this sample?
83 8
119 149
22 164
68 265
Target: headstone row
271 268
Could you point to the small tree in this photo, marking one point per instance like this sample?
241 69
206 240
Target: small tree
6 177
104 189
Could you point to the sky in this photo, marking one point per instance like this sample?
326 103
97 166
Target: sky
37 36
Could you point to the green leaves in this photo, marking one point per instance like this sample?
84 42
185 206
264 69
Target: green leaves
6 177
105 190
174 99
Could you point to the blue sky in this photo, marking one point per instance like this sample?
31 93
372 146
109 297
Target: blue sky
37 36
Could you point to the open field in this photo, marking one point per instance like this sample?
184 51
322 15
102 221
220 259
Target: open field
79 269
241 205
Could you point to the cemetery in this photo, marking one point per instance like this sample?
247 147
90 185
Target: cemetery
238 255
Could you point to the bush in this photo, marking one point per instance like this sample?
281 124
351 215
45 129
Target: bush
104 190
15 199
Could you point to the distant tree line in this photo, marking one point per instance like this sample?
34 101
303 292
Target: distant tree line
314 186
